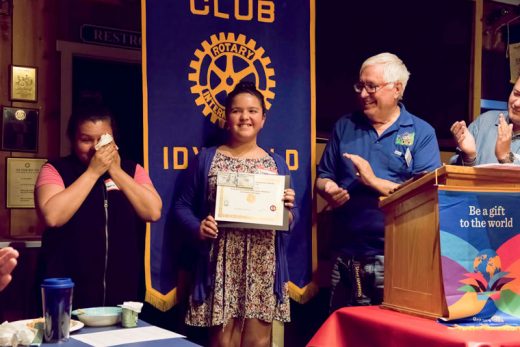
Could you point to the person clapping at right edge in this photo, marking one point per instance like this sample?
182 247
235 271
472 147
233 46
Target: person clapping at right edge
494 137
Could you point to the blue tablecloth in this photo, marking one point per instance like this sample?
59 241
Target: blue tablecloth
176 342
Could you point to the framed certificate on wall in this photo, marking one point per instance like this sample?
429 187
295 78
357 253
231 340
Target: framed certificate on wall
20 179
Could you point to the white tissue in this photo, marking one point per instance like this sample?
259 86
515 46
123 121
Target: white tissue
14 334
132 305
25 336
7 331
103 141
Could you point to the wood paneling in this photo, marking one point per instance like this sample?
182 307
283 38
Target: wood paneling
5 61
34 44
28 38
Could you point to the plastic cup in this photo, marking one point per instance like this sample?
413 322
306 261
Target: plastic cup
128 318
57 307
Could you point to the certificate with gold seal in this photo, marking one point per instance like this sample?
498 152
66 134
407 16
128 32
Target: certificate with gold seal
21 177
251 201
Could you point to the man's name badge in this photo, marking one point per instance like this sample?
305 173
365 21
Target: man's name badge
408 157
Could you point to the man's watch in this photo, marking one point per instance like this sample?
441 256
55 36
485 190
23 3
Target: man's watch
510 158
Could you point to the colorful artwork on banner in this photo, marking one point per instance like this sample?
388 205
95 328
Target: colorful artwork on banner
480 239
188 74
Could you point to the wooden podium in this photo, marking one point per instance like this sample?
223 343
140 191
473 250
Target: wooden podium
413 276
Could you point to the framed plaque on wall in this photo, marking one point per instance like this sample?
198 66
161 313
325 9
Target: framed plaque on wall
21 176
23 83
19 129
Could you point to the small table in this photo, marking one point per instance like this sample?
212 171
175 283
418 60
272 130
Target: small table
368 326
176 342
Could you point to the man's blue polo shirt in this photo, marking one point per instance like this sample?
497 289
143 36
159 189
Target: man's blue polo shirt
408 147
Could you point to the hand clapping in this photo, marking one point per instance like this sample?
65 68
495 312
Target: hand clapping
8 262
504 138
465 140
335 195
364 170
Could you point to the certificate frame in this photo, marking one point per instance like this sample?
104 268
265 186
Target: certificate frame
20 129
241 221
23 85
21 177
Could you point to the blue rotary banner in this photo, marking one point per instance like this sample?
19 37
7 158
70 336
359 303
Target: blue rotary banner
480 261
194 53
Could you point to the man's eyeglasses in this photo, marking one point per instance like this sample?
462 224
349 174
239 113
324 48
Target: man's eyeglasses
369 87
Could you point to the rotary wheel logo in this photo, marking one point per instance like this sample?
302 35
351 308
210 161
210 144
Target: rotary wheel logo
223 62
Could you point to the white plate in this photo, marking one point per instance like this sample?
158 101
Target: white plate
74 324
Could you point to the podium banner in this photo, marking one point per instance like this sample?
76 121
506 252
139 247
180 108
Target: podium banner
194 53
480 239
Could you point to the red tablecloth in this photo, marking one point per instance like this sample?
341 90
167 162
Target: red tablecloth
372 326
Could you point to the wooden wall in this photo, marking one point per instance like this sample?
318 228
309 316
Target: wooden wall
5 60
29 39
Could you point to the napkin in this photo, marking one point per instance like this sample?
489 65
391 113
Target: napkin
103 141
14 334
132 305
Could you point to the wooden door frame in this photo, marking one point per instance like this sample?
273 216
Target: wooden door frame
68 51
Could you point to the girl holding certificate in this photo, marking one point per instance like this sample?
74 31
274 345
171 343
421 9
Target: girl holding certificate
240 281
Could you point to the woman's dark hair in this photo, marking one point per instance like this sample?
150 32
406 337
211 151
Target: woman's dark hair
89 112
245 87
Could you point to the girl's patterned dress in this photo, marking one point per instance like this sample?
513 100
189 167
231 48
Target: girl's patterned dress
243 261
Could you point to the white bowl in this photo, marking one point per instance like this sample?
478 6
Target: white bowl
98 316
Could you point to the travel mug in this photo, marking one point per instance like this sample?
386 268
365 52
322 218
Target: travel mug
57 307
